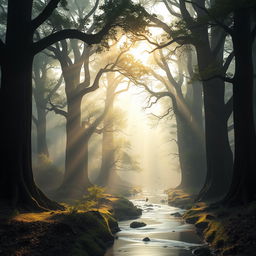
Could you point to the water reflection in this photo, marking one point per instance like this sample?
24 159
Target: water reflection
169 236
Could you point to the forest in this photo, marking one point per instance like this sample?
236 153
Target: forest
127 127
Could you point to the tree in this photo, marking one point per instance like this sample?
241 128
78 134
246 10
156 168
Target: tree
17 187
108 162
194 31
242 189
43 90
187 108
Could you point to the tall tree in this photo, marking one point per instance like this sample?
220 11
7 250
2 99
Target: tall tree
193 29
243 35
17 187
43 90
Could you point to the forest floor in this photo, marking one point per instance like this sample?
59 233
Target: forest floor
71 232
228 231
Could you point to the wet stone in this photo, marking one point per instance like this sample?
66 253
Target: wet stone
202 225
176 214
192 220
201 251
146 239
137 224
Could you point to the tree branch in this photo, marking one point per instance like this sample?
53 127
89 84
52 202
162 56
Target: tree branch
92 10
225 79
75 34
34 119
228 62
45 14
57 110
55 88
219 23
229 108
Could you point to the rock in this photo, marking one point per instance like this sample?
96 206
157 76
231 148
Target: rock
202 225
202 251
211 237
137 224
176 214
146 239
149 209
192 220
210 217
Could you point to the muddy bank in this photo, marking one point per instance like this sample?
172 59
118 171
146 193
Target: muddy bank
228 231
66 233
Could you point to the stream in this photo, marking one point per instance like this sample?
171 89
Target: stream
169 235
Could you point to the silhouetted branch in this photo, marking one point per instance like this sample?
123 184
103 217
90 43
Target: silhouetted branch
169 110
34 119
45 14
55 88
75 34
229 108
170 10
110 67
180 40
219 23
228 62
57 110
230 127
90 13
225 79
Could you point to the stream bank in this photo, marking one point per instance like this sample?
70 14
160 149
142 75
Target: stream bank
67 233
228 231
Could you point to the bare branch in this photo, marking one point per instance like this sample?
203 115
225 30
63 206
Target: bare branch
225 79
123 90
90 13
230 127
34 119
229 108
170 10
228 62
57 110
56 87
45 14
182 40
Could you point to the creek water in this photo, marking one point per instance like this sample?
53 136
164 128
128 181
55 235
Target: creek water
169 235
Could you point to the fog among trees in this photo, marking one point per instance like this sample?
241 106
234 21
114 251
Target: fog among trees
130 96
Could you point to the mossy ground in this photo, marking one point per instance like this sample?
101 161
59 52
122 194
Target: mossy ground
228 231
67 233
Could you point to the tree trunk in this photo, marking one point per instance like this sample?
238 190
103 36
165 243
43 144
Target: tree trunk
17 187
243 188
76 179
218 152
108 147
42 147
191 151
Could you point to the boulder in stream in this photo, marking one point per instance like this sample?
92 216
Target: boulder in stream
202 251
146 239
176 214
137 224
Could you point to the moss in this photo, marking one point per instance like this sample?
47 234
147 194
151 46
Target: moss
94 234
124 209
